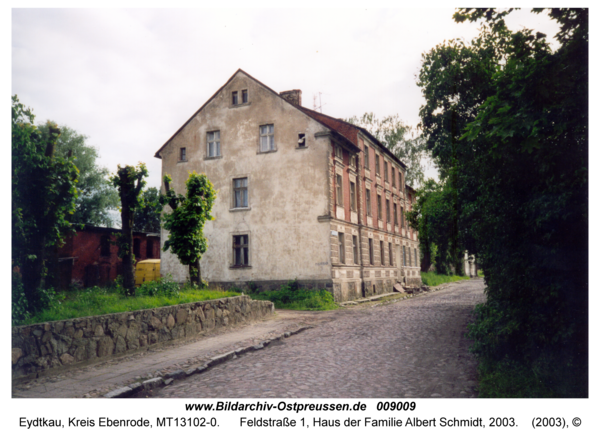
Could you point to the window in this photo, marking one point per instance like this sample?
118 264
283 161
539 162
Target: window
339 193
416 263
240 192
301 140
105 246
395 214
182 154
149 249
390 254
368 200
371 261
387 210
244 96
240 250
366 157
352 196
136 249
213 144
355 249
385 171
338 152
381 253
353 161
377 164
267 138
393 176
402 216
234 98
342 249
379 215
409 258
403 255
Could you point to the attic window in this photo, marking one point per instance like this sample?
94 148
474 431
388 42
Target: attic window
244 96
301 140
182 154
234 98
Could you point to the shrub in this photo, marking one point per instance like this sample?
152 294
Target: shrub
292 296
163 287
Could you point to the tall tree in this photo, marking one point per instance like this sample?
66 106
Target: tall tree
186 221
129 181
401 139
506 119
147 218
43 198
96 194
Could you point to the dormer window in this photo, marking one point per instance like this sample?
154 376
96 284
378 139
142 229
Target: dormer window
234 98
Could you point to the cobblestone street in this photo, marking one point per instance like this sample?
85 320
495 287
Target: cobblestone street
412 348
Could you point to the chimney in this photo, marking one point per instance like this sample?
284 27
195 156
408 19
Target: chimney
293 96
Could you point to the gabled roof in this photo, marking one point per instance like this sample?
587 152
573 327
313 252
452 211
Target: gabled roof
345 129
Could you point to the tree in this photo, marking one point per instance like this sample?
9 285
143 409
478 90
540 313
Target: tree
147 218
96 194
129 181
186 221
433 216
506 118
43 198
401 140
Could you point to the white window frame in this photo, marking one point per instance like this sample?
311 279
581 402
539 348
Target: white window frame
243 244
268 145
216 141
240 189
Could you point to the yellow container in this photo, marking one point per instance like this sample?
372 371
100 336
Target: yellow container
147 270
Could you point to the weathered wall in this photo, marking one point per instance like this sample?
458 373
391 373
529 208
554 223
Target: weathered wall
52 345
287 188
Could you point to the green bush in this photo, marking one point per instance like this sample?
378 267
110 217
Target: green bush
435 279
292 296
163 287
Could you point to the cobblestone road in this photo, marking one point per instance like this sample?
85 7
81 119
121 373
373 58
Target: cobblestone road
412 348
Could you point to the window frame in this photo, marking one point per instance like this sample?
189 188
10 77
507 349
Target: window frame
245 96
371 254
385 171
387 211
390 254
301 140
368 201
377 165
182 154
382 253
241 245
341 248
241 189
379 208
234 98
367 166
353 196
216 141
339 190
272 147
355 249
395 214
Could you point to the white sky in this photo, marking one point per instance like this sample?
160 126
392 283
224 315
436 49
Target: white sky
129 78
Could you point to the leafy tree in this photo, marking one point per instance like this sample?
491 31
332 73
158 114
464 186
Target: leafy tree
129 181
147 218
43 197
401 139
186 221
506 119
433 216
96 194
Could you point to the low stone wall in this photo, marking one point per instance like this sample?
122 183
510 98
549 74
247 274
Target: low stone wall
41 348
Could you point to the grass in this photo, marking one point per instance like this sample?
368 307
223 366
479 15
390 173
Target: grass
291 296
101 301
433 279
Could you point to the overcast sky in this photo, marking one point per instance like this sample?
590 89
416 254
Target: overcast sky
129 78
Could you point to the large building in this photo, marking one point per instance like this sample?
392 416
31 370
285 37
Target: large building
301 195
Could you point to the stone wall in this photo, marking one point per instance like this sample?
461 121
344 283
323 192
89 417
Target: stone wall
45 347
